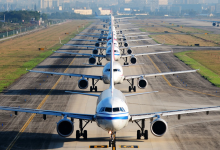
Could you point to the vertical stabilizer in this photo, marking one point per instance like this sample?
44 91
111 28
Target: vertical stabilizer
112 58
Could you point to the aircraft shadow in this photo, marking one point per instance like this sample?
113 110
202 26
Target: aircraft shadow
29 140
63 66
77 48
69 56
38 91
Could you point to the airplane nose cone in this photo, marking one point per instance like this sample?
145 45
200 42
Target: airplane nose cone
115 125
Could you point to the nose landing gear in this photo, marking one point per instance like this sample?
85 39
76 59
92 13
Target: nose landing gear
112 142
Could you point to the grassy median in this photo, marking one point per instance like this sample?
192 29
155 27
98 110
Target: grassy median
207 61
23 52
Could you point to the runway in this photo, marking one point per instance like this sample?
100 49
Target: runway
193 131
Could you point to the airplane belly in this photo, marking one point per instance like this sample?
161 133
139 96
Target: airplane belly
111 124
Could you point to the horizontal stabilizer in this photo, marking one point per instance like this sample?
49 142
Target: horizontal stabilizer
82 93
127 95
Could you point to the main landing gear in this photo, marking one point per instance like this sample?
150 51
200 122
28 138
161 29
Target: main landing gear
132 87
81 132
99 60
142 132
126 61
112 142
93 87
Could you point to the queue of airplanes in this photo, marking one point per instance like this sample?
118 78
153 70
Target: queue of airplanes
112 112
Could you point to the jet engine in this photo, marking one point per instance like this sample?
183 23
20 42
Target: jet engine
133 60
124 39
92 60
95 51
83 83
158 127
99 39
120 32
103 26
126 44
129 51
142 83
102 32
65 127
97 44
213 23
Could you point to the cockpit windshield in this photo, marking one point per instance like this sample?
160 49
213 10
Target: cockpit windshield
109 109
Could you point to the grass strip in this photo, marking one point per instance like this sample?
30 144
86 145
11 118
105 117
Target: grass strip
205 72
9 79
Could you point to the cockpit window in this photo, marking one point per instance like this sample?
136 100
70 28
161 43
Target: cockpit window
116 70
102 109
107 70
107 109
116 109
122 109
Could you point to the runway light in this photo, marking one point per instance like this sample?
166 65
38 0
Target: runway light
110 132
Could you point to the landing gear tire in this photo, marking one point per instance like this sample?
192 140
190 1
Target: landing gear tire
125 63
134 89
129 88
145 134
138 134
110 144
95 88
90 88
85 134
77 135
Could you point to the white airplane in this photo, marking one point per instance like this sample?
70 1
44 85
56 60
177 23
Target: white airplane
117 53
111 114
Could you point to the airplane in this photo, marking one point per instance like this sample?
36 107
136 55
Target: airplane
119 77
214 23
111 114
118 56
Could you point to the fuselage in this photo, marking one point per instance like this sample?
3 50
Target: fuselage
112 112
117 73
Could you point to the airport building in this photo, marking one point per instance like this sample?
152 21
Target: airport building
83 11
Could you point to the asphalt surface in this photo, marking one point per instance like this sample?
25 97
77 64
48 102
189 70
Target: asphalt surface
193 131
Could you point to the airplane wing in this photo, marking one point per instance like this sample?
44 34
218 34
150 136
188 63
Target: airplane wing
88 36
140 46
138 40
134 94
84 40
95 95
49 112
157 74
84 46
132 36
142 54
69 74
173 112
82 54
97 29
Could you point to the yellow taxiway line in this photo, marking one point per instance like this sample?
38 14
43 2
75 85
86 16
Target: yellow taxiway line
39 106
179 87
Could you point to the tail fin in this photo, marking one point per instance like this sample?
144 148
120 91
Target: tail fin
112 60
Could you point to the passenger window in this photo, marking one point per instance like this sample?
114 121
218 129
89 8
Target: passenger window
116 109
107 109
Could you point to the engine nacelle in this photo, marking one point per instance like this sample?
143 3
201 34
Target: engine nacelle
92 60
83 83
95 51
99 39
126 44
65 127
103 26
120 32
102 32
129 51
158 127
142 83
133 60
124 39
97 44
213 23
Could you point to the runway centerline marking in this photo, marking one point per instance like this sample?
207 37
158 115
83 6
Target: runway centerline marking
175 86
39 106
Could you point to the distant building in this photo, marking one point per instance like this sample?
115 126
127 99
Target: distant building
83 11
217 8
104 11
163 2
